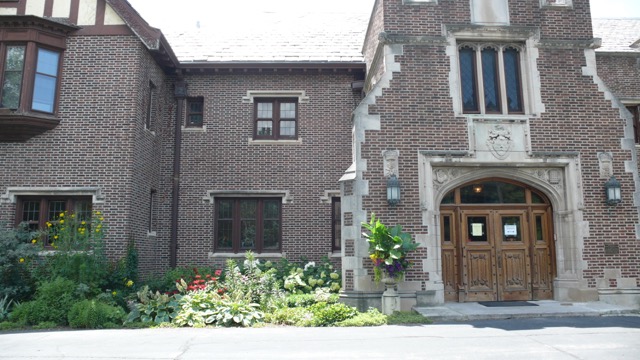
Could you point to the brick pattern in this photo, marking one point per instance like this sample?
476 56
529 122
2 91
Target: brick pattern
222 158
621 74
416 114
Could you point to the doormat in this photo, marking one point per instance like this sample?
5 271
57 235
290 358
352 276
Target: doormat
505 303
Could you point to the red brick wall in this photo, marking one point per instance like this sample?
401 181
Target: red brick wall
621 74
416 113
222 159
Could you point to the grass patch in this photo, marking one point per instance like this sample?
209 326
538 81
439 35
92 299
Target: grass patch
407 317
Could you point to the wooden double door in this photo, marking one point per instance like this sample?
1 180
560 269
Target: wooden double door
497 253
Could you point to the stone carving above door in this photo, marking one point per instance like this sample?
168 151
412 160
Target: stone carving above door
499 141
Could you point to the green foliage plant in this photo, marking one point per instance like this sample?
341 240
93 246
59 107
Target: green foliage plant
328 314
388 248
19 248
154 307
92 314
78 250
237 313
196 308
8 325
372 317
52 303
294 316
407 317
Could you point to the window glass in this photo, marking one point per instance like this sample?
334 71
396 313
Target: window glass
265 128
477 228
446 228
287 110
512 79
31 214
44 87
492 192
449 198
336 215
248 224
12 84
195 112
511 229
224 224
288 128
468 79
265 110
490 80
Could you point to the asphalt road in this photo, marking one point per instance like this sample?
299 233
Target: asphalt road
599 338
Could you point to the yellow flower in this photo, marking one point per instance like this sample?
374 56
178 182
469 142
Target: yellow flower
34 241
61 214
114 293
101 218
97 230
61 221
48 224
21 260
98 213
55 237
129 283
73 215
99 226
83 222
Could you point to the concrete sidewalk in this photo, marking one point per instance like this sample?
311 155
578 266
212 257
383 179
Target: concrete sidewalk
546 308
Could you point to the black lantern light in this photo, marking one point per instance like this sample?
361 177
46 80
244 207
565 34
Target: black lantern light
393 190
612 189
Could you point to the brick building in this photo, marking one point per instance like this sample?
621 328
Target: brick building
198 146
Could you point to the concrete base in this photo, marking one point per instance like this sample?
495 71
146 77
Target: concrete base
390 301
622 297
362 300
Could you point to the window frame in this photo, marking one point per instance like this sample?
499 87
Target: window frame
336 220
477 70
275 118
151 97
190 100
635 112
236 225
44 200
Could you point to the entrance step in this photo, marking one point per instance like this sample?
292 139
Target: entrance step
546 308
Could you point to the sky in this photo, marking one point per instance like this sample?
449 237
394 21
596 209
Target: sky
190 12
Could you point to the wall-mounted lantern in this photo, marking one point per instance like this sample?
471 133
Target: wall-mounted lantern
393 190
612 189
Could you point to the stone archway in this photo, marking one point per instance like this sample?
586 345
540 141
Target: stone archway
497 242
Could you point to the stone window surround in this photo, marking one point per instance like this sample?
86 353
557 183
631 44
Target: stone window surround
277 94
567 203
556 4
530 77
10 196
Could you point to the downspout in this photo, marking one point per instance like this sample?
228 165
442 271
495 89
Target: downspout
180 93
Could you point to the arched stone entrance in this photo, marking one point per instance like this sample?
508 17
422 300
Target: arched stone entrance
496 241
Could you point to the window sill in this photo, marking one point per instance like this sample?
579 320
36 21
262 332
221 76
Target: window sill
492 117
194 129
335 254
146 129
17 126
151 234
275 142
222 255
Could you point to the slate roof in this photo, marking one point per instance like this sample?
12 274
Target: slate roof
618 35
308 36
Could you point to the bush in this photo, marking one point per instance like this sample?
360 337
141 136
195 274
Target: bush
154 307
237 313
407 317
167 282
7 325
372 317
52 303
306 300
92 314
328 314
18 249
196 309
296 316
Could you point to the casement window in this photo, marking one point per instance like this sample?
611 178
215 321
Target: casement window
635 111
248 224
336 224
152 212
491 78
36 211
195 112
276 119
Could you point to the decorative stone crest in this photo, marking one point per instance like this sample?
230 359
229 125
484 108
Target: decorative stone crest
500 141
606 164
390 162
442 176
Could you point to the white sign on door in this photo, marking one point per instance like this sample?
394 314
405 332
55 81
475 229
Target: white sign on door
511 230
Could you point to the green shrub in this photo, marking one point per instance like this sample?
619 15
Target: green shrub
407 317
18 250
45 325
196 309
249 284
372 317
123 274
306 300
328 314
92 314
7 325
167 282
52 303
296 316
237 313
154 307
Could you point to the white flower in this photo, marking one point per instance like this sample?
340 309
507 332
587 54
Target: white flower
309 264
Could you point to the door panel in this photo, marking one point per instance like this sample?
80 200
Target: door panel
514 281
479 276
450 251
542 247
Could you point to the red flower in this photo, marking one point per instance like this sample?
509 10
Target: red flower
218 272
